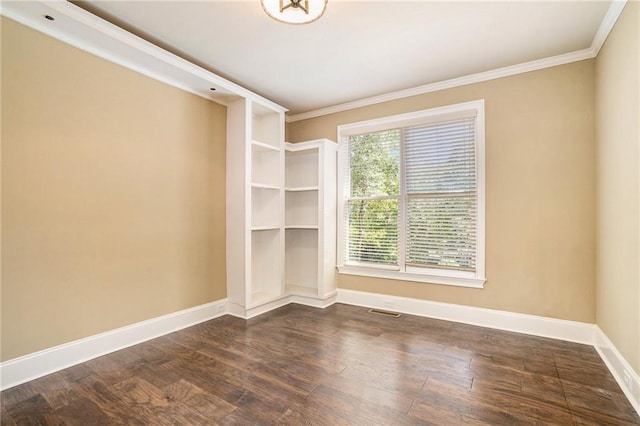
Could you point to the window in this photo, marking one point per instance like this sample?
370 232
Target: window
411 196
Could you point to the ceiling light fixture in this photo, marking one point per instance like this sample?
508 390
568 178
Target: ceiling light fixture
294 11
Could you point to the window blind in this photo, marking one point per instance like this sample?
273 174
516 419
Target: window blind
440 173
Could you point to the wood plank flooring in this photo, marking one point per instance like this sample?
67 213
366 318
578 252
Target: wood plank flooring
338 366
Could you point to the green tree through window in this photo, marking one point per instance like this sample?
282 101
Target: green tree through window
374 191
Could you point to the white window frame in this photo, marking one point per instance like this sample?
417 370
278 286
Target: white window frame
475 279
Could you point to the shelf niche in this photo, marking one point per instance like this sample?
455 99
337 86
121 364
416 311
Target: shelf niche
265 166
301 168
266 126
301 260
266 270
301 208
266 207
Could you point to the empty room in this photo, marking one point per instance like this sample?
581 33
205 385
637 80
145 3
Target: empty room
320 212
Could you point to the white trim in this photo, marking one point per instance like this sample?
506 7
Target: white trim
571 331
454 111
553 61
315 302
87 23
481 244
607 24
618 366
304 146
609 20
38 364
342 185
395 274
263 308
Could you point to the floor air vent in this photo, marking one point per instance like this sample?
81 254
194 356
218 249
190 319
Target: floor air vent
385 313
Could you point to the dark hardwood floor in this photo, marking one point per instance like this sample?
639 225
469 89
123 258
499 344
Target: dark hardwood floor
338 366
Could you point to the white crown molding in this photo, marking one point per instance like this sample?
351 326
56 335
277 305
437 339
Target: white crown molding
609 20
38 364
553 61
619 368
117 45
79 28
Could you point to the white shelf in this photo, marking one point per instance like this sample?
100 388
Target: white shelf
262 146
301 188
264 228
301 227
263 186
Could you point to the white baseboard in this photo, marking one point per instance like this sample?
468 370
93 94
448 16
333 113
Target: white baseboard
314 301
240 311
38 364
619 368
572 331
266 307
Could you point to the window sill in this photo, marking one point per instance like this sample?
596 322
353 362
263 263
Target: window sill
408 276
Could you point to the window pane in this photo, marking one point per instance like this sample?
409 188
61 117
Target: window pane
373 231
440 157
442 232
374 162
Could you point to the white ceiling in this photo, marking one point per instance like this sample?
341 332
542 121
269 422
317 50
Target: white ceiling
357 49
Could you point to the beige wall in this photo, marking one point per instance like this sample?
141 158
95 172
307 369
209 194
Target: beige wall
618 185
540 184
112 195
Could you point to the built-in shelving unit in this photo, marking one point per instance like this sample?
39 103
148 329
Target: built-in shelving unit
267 182
281 211
310 221
255 207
